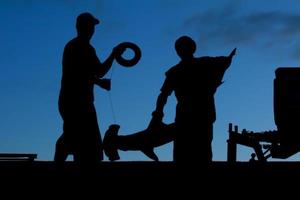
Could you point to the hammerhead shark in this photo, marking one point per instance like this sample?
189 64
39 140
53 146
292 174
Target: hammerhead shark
144 141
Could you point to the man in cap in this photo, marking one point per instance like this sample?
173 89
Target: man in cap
81 69
194 82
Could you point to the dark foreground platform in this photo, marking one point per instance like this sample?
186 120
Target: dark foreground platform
151 178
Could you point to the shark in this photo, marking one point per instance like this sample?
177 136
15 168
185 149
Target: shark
144 141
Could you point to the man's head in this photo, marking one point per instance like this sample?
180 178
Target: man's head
185 47
85 25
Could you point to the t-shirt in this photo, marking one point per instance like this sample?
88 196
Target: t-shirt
195 83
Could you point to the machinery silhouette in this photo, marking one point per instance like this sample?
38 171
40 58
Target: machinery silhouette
283 142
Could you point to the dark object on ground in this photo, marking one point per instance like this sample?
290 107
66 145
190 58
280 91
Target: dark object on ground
144 141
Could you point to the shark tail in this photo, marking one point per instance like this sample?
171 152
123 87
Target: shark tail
150 153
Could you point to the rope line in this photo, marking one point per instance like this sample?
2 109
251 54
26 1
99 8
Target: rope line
110 99
112 108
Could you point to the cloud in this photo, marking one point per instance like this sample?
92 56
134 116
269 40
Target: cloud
229 26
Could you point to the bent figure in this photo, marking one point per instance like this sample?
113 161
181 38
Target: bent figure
144 141
194 81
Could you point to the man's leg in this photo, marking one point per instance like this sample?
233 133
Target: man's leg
61 152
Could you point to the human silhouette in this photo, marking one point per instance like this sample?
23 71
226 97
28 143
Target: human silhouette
81 69
194 82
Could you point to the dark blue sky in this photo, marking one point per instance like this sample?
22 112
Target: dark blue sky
33 35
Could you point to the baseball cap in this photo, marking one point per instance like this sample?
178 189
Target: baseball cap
86 18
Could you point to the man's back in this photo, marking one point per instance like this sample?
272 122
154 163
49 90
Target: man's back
195 82
79 61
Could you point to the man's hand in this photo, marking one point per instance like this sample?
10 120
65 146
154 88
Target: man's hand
117 51
103 83
156 120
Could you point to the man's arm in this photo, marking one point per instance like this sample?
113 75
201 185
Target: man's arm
158 113
161 101
103 68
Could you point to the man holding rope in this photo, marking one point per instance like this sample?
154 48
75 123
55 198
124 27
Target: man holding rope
81 69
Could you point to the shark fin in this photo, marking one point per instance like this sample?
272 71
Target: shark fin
150 153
